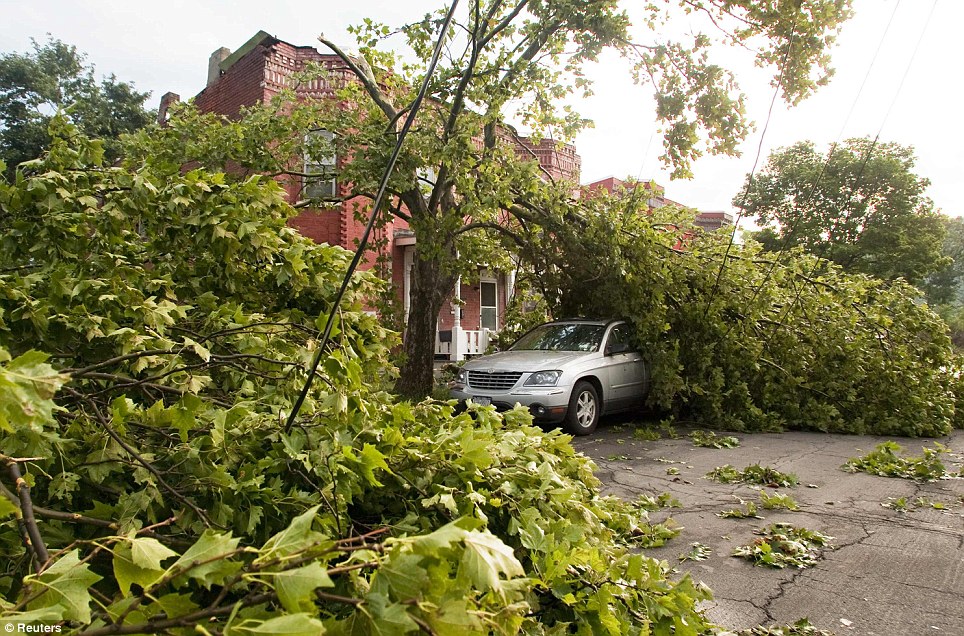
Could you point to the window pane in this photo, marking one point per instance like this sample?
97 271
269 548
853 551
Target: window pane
318 187
618 336
561 337
488 294
488 318
320 163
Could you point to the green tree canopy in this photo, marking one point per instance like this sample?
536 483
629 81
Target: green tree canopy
517 63
946 286
860 205
56 77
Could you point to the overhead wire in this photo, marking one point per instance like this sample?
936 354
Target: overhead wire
756 161
823 168
866 159
785 243
376 206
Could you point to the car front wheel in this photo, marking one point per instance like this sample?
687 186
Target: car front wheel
583 413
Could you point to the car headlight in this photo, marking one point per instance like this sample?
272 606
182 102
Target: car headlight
543 378
462 376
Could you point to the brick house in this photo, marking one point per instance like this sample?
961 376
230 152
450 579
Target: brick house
655 198
258 71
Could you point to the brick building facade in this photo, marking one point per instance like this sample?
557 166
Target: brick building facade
656 198
258 71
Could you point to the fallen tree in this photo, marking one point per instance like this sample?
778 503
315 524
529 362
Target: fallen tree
742 339
149 485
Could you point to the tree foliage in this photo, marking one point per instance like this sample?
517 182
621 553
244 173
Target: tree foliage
459 183
55 77
860 206
160 492
741 340
944 287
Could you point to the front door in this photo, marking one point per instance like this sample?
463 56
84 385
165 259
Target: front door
488 305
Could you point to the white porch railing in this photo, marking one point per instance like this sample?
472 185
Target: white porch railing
460 343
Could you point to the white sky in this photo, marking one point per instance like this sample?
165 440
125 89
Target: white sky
164 46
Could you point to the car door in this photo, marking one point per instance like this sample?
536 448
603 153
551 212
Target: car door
626 370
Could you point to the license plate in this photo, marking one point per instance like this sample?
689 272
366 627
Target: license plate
482 400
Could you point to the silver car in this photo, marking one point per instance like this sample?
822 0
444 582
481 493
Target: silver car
567 371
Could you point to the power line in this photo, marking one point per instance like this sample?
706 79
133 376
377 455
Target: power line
823 168
376 205
756 160
863 165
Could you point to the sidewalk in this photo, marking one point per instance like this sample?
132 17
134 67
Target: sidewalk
890 573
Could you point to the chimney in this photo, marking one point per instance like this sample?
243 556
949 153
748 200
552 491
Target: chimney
166 101
214 64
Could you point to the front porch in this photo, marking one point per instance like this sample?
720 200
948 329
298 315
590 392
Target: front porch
457 344
472 316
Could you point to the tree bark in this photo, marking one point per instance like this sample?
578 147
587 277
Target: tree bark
431 287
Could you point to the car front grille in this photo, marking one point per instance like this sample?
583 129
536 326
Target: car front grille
495 381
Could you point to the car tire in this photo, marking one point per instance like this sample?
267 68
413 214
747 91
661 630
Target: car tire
583 413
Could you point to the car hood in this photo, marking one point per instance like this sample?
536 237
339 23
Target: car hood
526 360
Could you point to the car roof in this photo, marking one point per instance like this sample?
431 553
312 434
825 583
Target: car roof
588 321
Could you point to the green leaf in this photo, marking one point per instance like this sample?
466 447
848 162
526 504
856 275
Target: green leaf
65 588
401 576
287 625
486 558
208 559
442 538
369 459
27 388
296 587
17 619
199 350
127 572
7 508
454 619
387 619
177 604
295 538
148 553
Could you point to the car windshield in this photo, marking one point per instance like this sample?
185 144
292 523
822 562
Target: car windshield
561 337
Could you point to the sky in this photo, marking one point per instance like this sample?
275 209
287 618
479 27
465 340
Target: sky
897 76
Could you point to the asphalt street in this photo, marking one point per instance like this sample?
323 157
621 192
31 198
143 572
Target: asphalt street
890 572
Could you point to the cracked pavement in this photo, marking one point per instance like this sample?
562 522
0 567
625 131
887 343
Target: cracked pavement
889 573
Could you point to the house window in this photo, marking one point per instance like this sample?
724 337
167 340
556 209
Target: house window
320 164
427 176
489 312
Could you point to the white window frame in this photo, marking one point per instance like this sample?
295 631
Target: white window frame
324 186
489 280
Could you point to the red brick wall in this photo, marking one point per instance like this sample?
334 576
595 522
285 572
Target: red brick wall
561 161
263 72
472 306
283 60
241 85
321 226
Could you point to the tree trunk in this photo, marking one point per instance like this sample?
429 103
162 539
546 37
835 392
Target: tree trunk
429 291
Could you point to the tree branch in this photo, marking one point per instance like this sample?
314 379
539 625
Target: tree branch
143 462
186 621
468 227
367 80
35 542
70 517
